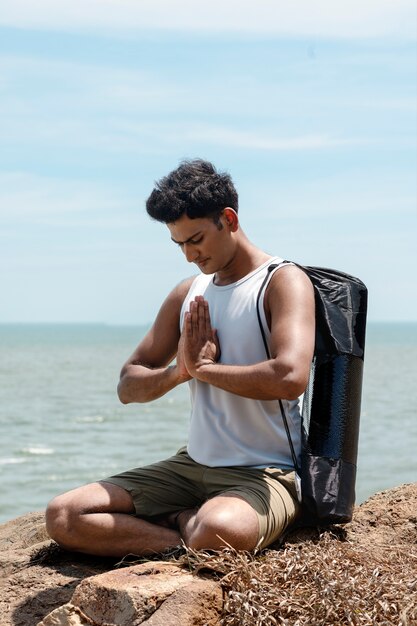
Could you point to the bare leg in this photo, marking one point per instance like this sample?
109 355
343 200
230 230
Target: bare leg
220 522
99 519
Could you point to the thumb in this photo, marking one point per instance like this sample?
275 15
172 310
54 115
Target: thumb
215 338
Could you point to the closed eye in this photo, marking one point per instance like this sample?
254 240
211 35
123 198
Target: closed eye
193 242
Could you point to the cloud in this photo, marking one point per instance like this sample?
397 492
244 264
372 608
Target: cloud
321 18
91 83
48 200
235 138
116 109
206 134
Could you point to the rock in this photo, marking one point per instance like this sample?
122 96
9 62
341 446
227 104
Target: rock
198 604
43 584
388 517
66 615
19 540
133 595
160 595
38 581
129 596
36 576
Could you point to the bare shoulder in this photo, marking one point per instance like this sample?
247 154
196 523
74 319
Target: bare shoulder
290 277
177 295
171 307
290 312
159 346
289 288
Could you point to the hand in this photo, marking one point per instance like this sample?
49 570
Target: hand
201 344
183 373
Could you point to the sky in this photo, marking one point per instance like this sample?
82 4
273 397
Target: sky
309 105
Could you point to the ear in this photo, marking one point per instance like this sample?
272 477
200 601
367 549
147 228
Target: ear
231 219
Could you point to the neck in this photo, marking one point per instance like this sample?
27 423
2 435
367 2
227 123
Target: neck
245 259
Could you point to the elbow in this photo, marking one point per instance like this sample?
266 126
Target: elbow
124 390
122 387
121 392
129 391
294 385
293 392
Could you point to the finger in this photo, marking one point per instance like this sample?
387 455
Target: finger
194 314
201 316
184 321
188 327
207 321
198 300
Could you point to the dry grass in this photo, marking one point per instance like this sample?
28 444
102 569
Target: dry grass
362 574
315 583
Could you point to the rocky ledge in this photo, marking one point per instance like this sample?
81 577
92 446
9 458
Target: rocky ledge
361 573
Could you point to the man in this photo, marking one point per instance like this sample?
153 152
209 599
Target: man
233 485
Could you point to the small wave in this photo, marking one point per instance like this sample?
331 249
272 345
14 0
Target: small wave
11 461
38 450
89 419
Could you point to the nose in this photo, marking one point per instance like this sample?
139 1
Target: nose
191 254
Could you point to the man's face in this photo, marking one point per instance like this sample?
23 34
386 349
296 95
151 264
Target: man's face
203 242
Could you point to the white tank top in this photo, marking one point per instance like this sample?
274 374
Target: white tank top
227 429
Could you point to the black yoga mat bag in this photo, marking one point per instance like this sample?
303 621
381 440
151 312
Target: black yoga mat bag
332 401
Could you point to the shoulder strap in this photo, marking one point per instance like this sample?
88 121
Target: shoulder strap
272 267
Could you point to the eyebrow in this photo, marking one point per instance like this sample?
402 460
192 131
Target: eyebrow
180 243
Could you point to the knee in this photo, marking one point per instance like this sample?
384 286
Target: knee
221 529
60 518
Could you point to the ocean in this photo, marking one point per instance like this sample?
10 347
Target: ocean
62 424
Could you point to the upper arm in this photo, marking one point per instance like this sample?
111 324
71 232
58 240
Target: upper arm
290 308
159 346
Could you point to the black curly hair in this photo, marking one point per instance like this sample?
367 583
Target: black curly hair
195 189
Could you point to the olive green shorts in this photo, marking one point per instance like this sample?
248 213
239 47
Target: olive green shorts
180 483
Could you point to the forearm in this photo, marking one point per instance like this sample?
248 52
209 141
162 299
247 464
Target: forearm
139 383
267 380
